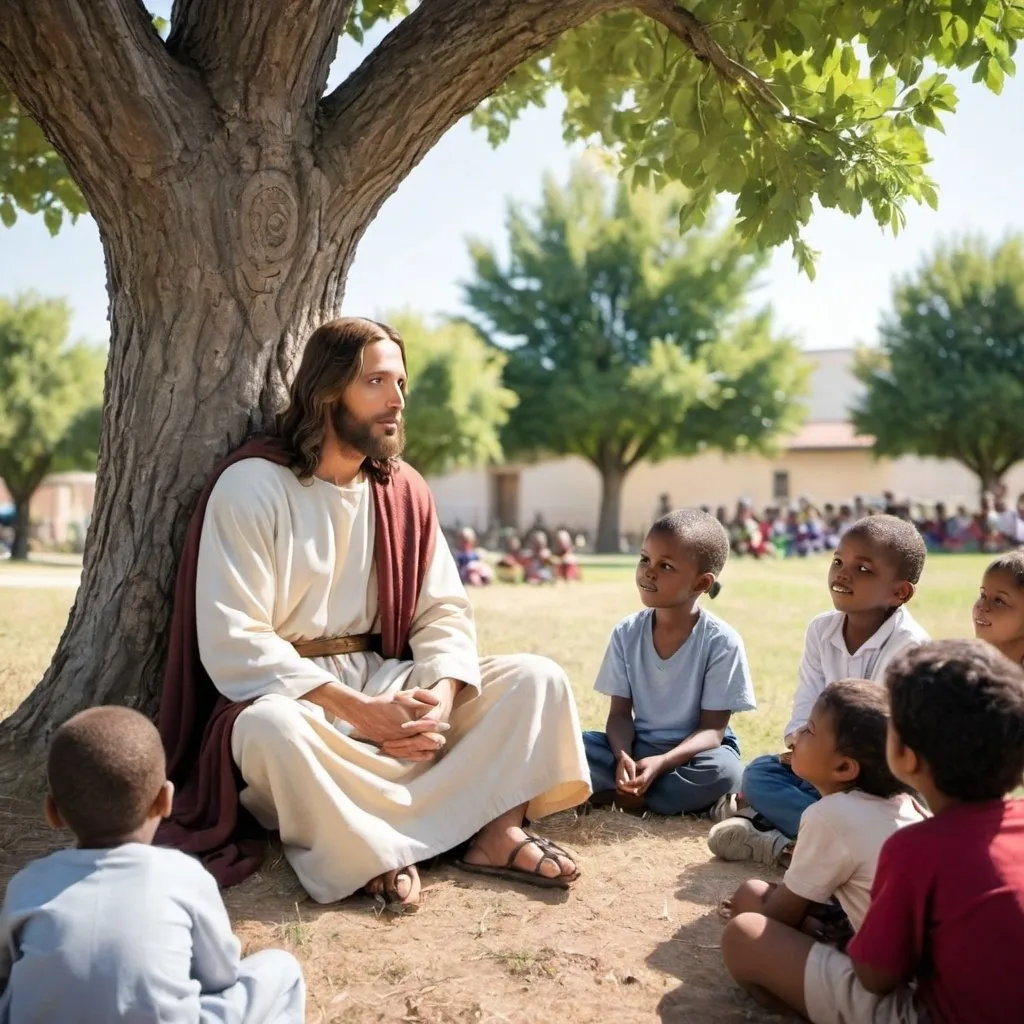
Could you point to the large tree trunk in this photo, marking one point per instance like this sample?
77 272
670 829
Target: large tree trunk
609 521
22 526
204 329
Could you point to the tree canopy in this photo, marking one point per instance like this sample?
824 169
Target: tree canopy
948 377
778 102
457 404
627 341
50 400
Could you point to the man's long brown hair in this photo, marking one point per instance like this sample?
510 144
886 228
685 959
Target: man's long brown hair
332 359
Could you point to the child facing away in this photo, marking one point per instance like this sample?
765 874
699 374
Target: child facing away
116 929
999 609
675 674
840 750
941 940
871 579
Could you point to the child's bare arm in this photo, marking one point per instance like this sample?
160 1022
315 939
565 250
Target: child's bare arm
773 901
619 728
709 734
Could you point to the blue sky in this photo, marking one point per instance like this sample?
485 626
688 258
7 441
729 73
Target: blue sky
414 254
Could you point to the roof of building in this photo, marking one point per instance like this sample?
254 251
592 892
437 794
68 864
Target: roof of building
825 435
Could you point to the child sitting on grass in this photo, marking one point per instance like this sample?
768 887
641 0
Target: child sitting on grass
675 675
871 579
943 936
115 929
999 610
840 750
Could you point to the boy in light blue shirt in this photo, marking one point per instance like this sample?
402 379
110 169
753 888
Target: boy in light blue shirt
675 675
115 929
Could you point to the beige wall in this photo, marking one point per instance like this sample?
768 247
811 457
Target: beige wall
568 490
942 479
463 498
61 500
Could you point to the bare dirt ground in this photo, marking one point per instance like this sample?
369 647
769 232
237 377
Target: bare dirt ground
637 938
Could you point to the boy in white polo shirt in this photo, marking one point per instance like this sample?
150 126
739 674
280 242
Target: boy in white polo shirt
871 578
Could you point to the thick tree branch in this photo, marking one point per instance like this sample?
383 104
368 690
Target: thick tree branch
694 33
643 448
261 59
434 67
96 77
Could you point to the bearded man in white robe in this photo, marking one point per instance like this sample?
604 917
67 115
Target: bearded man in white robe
366 759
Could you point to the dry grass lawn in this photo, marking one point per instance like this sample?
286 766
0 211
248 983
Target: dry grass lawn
636 939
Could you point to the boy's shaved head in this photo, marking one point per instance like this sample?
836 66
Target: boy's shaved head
105 769
700 533
897 540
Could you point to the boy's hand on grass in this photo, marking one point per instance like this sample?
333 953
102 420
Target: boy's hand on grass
625 772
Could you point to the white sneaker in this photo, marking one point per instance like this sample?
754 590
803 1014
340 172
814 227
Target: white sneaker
724 807
738 838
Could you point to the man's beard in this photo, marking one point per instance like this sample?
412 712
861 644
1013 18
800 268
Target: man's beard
359 435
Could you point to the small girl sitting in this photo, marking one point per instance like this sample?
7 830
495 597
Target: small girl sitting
473 570
566 566
999 610
841 752
510 565
539 563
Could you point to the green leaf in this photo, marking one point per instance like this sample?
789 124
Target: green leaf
7 213
53 217
924 114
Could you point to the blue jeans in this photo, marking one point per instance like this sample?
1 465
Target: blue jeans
693 786
773 790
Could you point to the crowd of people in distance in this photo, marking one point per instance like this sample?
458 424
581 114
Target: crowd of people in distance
804 529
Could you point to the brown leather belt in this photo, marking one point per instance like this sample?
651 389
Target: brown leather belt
325 646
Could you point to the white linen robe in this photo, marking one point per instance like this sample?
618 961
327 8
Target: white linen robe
282 561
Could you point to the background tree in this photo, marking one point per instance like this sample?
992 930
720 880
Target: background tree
457 403
230 194
627 341
50 399
948 377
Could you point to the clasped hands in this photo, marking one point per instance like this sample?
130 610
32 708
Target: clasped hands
635 777
408 725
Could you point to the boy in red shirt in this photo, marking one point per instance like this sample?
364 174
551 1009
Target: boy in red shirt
942 940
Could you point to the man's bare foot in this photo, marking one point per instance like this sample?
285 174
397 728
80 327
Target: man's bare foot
536 856
400 887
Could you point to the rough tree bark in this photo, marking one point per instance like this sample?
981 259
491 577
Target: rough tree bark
230 195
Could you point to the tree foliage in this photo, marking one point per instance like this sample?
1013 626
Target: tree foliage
778 102
948 378
457 405
627 341
775 101
50 398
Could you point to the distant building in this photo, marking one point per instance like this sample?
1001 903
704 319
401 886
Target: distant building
61 507
825 460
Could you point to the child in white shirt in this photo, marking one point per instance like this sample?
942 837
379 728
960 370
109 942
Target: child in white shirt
871 579
840 750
